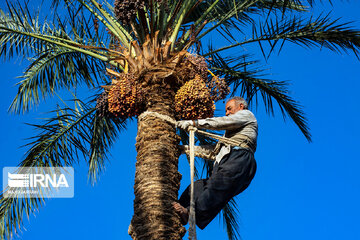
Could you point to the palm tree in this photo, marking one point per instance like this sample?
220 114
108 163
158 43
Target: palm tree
148 56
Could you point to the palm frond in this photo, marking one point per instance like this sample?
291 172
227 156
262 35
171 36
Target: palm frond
214 10
179 19
52 70
61 139
108 20
103 12
314 32
104 133
12 211
319 32
52 66
22 34
251 86
73 133
231 220
232 14
238 8
57 145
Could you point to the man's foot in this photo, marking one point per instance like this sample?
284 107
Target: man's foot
182 212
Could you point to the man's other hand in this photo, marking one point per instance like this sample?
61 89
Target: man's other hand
184 124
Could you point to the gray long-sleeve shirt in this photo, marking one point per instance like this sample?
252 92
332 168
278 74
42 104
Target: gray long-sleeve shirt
242 122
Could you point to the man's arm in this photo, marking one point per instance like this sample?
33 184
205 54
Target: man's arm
239 119
203 151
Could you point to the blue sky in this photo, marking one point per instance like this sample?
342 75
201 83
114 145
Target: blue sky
301 190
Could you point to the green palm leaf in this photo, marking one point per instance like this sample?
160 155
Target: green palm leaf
22 34
230 218
314 32
104 133
55 69
248 84
72 134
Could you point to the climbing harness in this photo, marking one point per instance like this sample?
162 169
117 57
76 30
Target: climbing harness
192 130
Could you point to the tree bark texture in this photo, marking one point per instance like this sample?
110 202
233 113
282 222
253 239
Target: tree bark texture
157 179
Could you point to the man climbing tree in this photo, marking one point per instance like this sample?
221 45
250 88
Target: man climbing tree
234 166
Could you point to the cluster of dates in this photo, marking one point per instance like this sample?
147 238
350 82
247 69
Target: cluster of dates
219 89
125 10
195 99
102 106
124 98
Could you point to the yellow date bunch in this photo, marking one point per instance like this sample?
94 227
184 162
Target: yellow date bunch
193 100
125 97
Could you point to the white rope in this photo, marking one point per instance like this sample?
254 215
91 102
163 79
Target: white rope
192 220
159 115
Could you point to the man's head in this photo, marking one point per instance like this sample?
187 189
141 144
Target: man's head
235 104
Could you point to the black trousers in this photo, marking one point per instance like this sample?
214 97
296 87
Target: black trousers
229 178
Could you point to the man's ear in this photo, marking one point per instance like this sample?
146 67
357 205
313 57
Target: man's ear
241 106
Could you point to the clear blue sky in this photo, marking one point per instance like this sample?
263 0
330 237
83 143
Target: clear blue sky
301 190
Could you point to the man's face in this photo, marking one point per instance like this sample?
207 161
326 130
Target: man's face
231 107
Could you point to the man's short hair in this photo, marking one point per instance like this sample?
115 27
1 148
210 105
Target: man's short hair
239 100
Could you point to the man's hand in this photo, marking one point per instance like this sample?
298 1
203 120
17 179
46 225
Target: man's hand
184 149
184 124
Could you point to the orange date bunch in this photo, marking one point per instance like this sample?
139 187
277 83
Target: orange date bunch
125 97
193 100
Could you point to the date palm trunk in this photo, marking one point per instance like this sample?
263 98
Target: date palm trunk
157 179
